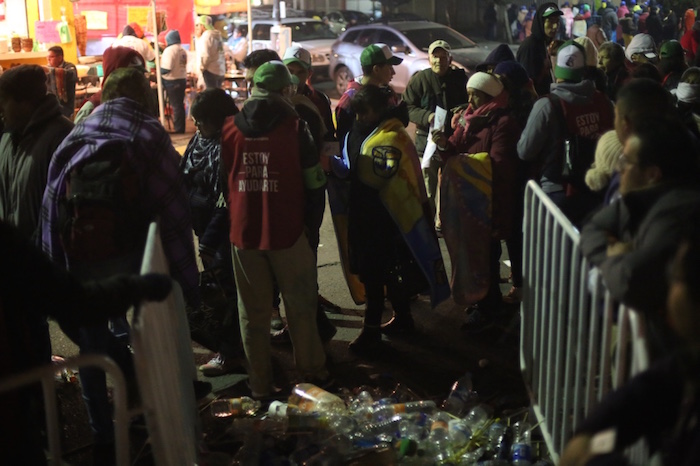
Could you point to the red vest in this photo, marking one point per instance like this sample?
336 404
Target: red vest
592 119
265 186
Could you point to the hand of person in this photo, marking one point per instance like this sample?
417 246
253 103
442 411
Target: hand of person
618 248
439 138
577 451
455 118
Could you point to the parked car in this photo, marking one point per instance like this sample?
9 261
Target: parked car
341 20
312 34
396 17
408 40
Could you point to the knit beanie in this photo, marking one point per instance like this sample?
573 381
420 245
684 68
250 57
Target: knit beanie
120 57
173 37
486 83
591 50
607 154
137 29
513 72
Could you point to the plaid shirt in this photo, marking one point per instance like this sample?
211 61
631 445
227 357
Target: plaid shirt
158 162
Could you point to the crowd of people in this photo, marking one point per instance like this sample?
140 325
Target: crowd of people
609 131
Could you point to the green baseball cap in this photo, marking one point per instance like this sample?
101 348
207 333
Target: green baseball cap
671 49
378 54
273 76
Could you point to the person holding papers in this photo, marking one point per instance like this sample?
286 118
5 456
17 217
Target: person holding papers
478 194
444 86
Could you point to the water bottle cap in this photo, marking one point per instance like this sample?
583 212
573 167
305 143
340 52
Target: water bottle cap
277 408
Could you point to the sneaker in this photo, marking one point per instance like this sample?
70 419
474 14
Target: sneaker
368 343
276 323
398 325
514 296
478 321
327 306
325 331
219 365
281 337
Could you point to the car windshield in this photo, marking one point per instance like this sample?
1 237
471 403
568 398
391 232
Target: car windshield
422 38
310 30
356 16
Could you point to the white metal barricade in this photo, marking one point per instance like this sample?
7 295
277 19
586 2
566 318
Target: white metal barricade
165 367
576 343
46 375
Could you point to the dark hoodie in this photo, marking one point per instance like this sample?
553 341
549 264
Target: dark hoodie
533 54
498 55
261 114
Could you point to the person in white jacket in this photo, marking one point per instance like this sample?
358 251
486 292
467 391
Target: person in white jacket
210 53
130 38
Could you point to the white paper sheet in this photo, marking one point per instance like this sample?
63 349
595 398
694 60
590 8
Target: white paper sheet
431 147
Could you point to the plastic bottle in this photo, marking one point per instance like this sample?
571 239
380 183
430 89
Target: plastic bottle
460 396
310 398
237 407
477 417
497 440
459 433
389 411
521 451
439 438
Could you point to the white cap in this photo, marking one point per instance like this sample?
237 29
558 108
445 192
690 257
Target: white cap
297 53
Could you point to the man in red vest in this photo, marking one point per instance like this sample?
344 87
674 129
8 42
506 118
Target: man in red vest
275 183
574 111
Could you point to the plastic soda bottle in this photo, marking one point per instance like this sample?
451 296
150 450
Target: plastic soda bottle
236 407
310 398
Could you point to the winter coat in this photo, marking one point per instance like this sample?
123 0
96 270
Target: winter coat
533 54
425 91
24 164
495 133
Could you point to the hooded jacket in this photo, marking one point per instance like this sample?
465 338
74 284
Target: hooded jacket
24 163
541 140
533 54
498 55
275 181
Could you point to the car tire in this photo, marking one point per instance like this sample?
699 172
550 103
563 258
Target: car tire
343 76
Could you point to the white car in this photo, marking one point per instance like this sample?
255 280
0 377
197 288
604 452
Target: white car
312 34
408 40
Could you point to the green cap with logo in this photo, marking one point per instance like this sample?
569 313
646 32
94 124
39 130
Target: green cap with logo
378 54
273 76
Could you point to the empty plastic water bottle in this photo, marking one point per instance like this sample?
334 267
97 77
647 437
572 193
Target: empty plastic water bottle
389 411
439 438
236 407
461 396
459 433
477 417
308 397
521 451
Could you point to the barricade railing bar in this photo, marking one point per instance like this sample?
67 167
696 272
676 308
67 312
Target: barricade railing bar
46 375
576 343
165 367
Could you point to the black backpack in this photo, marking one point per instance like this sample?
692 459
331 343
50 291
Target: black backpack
101 215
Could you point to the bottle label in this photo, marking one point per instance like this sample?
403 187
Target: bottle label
399 408
436 425
521 451
236 407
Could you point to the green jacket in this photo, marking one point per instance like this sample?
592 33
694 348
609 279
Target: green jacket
425 91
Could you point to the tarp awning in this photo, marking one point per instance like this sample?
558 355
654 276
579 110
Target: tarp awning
219 7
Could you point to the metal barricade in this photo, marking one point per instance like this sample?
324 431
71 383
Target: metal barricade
576 343
165 367
46 376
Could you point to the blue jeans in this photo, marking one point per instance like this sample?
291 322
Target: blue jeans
175 88
212 80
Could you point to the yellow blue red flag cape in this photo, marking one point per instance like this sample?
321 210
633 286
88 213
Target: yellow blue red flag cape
389 163
466 214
